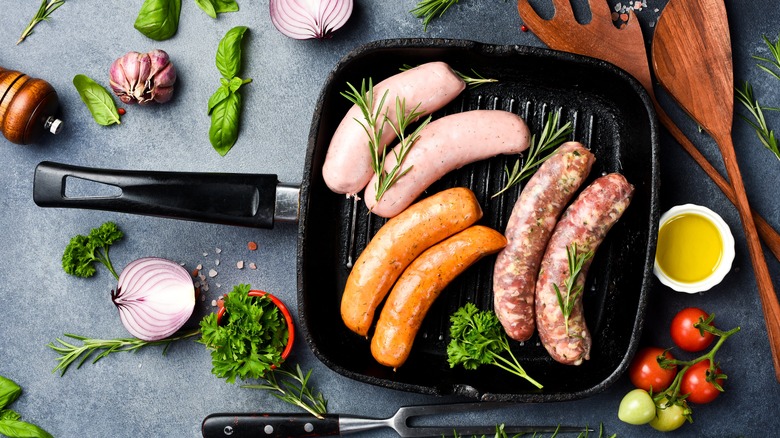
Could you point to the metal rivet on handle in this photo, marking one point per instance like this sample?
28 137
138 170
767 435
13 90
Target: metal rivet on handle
268 429
228 430
308 427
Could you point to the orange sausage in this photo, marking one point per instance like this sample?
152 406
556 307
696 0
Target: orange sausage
397 243
420 285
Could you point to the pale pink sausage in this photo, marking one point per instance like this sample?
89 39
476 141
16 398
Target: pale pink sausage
585 223
347 168
444 145
528 230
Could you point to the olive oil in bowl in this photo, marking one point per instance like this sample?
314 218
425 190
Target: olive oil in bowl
695 249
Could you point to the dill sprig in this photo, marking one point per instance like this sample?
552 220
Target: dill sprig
576 263
538 152
765 135
294 388
374 124
44 11
70 353
431 9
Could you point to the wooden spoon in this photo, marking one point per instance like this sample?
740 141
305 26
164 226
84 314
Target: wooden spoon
598 39
692 60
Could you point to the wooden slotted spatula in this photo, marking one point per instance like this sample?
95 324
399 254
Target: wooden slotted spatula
626 49
691 55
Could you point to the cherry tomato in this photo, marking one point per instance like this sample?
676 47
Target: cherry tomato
669 418
637 407
685 335
645 372
695 383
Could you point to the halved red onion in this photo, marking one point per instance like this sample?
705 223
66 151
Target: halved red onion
155 297
305 19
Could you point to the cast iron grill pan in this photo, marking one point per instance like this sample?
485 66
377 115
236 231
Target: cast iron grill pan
611 115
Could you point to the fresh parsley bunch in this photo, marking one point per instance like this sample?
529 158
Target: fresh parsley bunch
252 339
478 339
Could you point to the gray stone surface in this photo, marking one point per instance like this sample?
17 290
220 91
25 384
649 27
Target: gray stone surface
149 395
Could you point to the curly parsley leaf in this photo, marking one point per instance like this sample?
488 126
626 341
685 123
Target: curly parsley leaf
251 342
83 251
477 338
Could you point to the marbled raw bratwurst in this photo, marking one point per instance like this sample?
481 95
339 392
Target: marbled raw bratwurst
528 230
585 223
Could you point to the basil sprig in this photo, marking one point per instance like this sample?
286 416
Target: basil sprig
98 100
10 421
159 19
225 104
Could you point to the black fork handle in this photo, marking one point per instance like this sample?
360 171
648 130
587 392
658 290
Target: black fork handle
269 425
222 198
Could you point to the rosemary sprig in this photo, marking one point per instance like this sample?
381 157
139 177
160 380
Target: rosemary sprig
539 151
431 9
374 126
44 11
765 135
472 81
774 49
294 389
576 263
69 353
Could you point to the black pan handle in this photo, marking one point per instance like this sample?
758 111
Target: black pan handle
268 425
222 198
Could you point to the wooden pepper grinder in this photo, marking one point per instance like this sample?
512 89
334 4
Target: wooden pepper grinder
27 107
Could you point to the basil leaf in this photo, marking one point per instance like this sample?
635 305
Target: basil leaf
229 52
221 94
224 123
22 429
7 414
225 6
235 84
97 99
159 19
208 7
9 391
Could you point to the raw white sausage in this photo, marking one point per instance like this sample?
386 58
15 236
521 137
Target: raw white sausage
444 145
347 168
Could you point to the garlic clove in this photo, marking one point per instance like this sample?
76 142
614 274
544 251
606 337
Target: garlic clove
162 94
131 65
117 78
159 60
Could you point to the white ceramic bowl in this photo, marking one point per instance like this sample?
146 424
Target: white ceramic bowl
727 257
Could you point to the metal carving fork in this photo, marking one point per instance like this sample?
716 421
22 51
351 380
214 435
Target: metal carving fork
305 425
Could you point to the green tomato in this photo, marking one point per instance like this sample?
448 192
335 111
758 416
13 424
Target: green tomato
669 418
637 407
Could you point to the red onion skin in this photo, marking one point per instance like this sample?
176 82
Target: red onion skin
155 298
297 19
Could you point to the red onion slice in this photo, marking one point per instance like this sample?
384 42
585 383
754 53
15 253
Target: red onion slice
305 19
155 297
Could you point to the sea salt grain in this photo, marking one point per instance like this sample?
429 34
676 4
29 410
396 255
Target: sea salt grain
216 262
212 273
240 264
252 266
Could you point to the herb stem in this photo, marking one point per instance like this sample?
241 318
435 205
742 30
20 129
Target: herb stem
541 148
295 389
431 9
69 352
746 97
44 11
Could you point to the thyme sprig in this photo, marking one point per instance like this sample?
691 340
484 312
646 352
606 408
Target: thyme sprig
763 132
44 11
541 148
374 124
573 289
70 353
431 9
294 388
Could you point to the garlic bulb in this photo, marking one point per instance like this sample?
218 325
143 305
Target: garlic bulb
143 77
